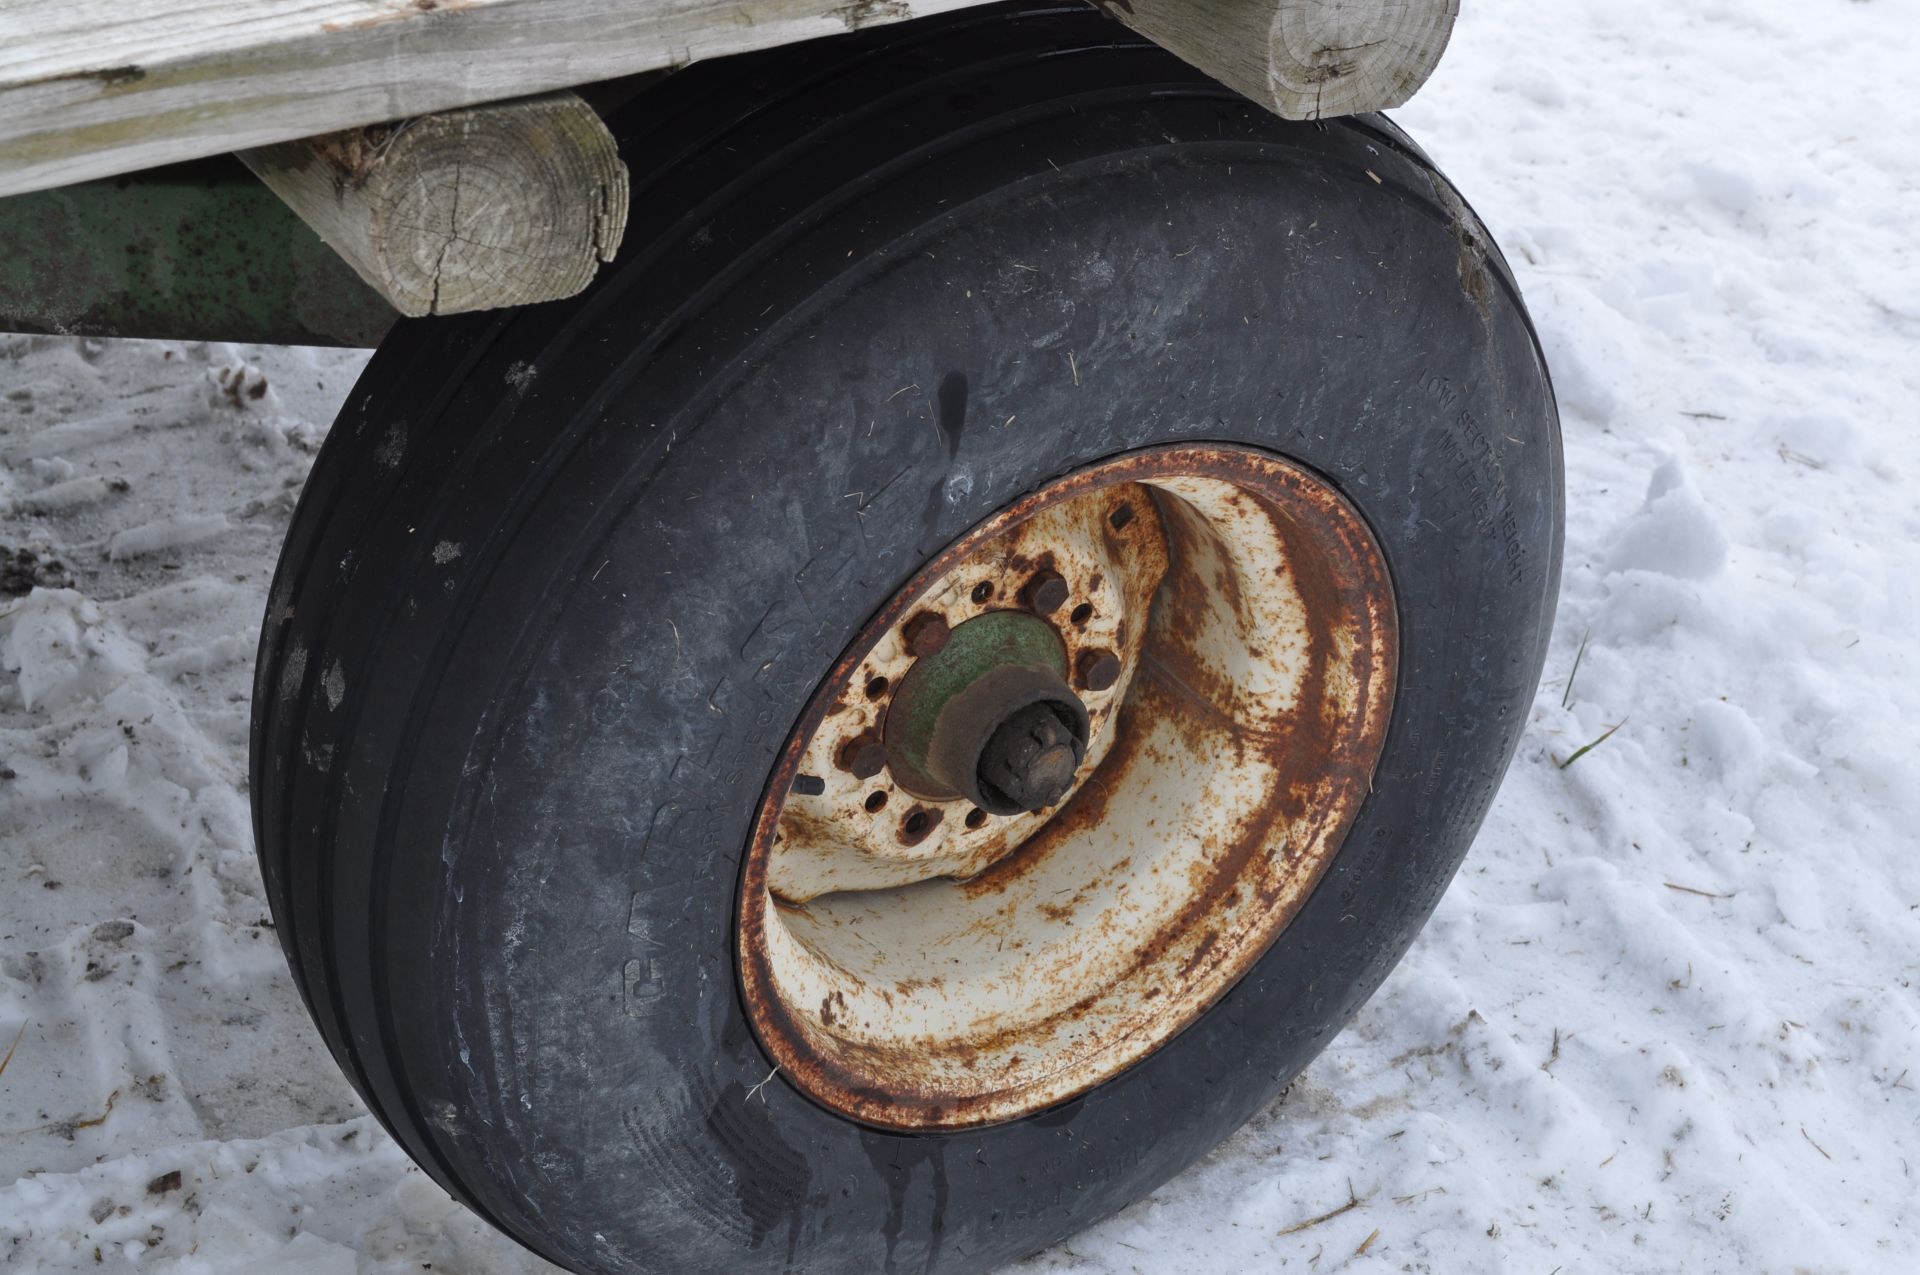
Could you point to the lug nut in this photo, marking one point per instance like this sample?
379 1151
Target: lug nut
863 756
1098 670
1045 593
926 634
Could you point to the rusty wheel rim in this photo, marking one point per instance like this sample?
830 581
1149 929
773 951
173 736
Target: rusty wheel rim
913 961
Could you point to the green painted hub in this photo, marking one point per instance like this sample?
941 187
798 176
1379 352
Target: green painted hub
986 644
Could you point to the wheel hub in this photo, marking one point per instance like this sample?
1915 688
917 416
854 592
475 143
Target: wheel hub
989 717
1067 787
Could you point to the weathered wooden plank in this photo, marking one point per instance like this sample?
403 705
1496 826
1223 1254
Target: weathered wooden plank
90 88
503 204
1303 59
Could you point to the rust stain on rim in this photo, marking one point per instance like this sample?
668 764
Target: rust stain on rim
988 968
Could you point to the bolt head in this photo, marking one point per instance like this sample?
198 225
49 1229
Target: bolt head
863 756
1045 593
1098 670
926 634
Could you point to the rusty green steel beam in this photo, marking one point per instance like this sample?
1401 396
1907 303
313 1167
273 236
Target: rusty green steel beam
196 251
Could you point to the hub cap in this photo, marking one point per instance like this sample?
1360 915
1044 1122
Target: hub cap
1067 787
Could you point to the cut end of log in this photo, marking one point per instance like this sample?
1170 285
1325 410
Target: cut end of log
505 204
1303 59
1345 57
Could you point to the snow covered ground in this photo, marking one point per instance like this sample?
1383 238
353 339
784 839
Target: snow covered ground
1665 1020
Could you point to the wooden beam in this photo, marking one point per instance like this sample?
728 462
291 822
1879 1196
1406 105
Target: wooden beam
91 88
498 205
1303 59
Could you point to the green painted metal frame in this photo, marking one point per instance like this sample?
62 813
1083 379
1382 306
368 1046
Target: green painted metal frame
197 251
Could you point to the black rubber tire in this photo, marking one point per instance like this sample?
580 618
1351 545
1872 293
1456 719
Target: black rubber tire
563 579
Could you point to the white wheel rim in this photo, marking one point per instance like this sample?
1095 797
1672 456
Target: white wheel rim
954 972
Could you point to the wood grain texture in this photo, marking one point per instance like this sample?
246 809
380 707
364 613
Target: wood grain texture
90 88
1303 59
504 204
